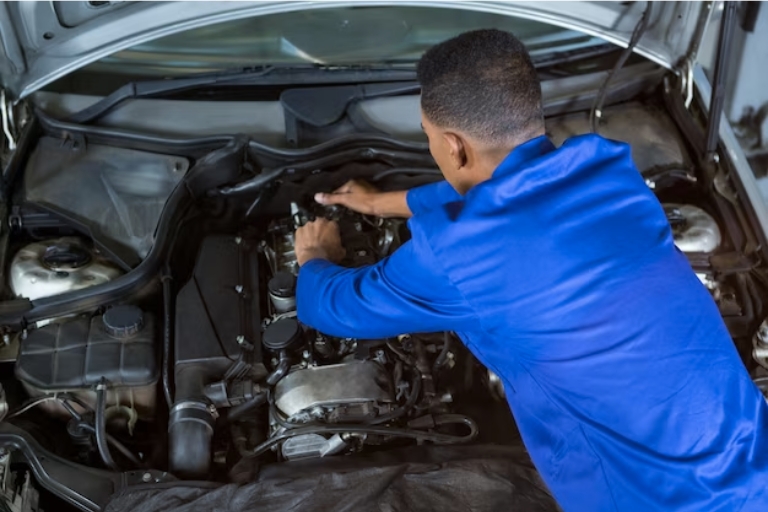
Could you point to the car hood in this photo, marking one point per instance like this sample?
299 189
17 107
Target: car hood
44 41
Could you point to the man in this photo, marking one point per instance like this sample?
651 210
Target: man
558 270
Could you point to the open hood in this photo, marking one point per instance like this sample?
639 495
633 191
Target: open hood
43 41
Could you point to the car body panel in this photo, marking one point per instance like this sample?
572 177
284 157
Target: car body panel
44 41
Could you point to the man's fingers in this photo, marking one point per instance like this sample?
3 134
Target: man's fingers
333 198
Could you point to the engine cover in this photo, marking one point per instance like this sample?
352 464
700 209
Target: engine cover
322 389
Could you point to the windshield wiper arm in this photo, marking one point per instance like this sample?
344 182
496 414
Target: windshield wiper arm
145 89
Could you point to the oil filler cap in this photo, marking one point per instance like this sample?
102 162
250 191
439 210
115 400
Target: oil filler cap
123 321
283 284
282 335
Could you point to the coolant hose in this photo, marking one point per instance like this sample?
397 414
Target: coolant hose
282 368
190 430
101 425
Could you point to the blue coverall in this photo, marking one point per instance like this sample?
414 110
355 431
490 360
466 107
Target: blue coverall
560 275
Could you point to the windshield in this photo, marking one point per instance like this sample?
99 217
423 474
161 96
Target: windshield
329 36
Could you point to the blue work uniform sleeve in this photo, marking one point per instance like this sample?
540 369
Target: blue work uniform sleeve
427 197
404 293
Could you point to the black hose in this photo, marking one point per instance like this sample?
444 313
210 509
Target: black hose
434 437
597 106
238 411
443 356
167 335
101 425
282 368
114 442
402 410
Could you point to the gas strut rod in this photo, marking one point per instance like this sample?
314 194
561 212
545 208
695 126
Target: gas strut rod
718 80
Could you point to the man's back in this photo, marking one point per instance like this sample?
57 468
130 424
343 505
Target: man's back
561 275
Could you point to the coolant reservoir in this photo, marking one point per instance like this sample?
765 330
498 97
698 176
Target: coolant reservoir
694 230
57 266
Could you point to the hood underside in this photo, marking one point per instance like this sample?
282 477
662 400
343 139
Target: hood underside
44 41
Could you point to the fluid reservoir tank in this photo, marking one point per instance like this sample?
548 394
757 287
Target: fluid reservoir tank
694 230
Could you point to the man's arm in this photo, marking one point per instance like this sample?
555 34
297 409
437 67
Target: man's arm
364 198
401 294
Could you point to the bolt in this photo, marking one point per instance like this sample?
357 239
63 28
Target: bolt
238 240
239 288
240 340
306 354
361 253
146 477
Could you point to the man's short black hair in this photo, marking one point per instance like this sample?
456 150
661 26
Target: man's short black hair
484 84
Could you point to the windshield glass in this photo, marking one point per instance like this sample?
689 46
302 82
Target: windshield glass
331 36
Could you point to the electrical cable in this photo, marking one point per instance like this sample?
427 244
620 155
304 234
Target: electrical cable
597 107
30 404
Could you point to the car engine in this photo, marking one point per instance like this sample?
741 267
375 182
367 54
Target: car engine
189 362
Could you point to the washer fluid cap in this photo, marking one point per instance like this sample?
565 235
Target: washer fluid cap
123 321
282 335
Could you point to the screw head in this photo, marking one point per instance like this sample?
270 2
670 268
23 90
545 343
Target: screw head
238 240
240 340
146 477
239 288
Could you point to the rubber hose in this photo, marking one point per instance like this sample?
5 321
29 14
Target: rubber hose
282 368
407 406
440 361
237 412
101 425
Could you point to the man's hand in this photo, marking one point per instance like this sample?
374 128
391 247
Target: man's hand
359 196
364 198
318 239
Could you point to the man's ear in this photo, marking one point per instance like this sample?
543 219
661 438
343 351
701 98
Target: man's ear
457 149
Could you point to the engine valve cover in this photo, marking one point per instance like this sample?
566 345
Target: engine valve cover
333 385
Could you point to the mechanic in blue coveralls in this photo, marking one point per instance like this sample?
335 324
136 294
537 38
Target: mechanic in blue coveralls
557 269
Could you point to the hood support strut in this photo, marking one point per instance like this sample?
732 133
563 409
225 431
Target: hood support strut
718 80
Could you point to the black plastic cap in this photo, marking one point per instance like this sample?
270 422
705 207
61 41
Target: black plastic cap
283 284
282 335
123 321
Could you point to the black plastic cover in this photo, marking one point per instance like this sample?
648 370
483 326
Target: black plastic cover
282 284
448 479
219 304
77 353
283 334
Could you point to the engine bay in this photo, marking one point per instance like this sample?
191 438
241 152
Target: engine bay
177 346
